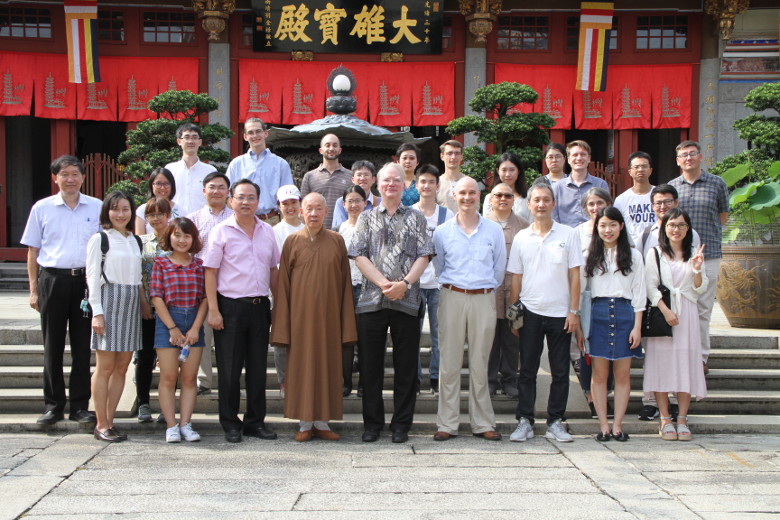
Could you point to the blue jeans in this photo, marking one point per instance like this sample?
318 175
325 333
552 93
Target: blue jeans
430 299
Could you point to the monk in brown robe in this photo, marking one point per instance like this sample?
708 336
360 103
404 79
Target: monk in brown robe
314 318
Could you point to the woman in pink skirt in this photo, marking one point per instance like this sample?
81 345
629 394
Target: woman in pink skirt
674 364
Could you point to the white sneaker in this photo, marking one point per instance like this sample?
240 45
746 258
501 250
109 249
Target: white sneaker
523 432
188 434
556 432
172 434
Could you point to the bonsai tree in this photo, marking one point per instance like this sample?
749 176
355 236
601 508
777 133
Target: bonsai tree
508 131
754 174
153 143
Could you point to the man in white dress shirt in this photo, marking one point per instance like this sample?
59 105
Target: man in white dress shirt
189 172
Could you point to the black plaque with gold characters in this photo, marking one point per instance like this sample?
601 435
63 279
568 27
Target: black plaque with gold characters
348 26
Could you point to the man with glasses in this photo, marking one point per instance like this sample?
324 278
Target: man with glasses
259 165
634 203
330 179
391 247
705 197
189 172
241 274
568 192
216 188
452 156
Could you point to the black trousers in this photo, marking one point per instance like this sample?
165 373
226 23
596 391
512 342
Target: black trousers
504 356
405 332
59 297
535 329
242 343
144 362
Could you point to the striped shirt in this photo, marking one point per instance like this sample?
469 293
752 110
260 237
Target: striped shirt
180 286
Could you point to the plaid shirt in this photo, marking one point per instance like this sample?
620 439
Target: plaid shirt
180 286
205 220
393 244
704 200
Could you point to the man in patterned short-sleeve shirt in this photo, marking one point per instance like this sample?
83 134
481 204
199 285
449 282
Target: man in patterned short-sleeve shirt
391 248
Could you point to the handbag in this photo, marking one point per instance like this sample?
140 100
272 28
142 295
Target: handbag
515 314
654 324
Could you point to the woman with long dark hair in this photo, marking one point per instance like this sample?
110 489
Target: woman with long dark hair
616 277
674 364
511 171
161 185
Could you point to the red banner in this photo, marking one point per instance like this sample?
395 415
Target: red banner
137 83
631 97
259 93
55 97
432 93
390 96
361 71
553 84
671 95
592 110
304 91
16 71
518 74
178 74
96 101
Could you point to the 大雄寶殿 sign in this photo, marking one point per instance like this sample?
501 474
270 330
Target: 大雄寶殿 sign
412 27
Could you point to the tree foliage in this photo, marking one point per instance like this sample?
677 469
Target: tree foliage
153 143
507 130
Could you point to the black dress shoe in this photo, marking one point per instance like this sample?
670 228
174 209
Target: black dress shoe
119 435
82 416
107 436
400 436
345 391
233 435
261 433
202 390
50 417
511 390
370 436
360 391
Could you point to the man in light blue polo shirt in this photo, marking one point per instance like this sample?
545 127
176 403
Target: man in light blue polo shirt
259 165
568 192
56 235
470 261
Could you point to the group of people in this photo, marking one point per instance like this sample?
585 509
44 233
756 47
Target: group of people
243 260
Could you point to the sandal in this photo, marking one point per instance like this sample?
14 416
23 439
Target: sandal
667 431
620 436
603 437
683 432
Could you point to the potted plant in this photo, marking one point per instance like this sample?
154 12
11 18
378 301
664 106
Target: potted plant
749 281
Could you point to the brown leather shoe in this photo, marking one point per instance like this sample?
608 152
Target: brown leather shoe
443 436
304 436
490 436
326 435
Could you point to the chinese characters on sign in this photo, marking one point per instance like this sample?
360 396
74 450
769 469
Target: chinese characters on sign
348 26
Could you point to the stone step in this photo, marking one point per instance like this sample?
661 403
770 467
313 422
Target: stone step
730 379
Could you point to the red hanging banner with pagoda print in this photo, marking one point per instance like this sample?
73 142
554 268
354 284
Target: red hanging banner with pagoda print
519 74
631 97
304 91
390 92
432 88
177 74
137 83
259 93
592 110
361 71
553 84
671 94
55 97
97 101
16 72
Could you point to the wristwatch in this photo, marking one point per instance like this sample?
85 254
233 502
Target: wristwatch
408 285
576 313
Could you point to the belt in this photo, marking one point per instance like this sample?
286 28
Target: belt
253 300
466 291
78 271
271 214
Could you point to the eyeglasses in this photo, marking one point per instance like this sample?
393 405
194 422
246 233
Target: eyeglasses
453 153
688 155
212 187
503 195
161 184
153 216
665 202
249 199
190 138
392 180
554 157
640 167
252 133
677 227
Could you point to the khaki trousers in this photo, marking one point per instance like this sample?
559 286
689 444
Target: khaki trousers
465 318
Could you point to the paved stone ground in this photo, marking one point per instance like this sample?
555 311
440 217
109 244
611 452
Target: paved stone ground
62 476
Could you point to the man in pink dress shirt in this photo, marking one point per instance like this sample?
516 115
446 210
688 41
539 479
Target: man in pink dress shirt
241 273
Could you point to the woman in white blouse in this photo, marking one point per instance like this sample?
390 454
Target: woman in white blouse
614 271
511 172
115 292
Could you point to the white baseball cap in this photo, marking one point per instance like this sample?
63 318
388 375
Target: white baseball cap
287 192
